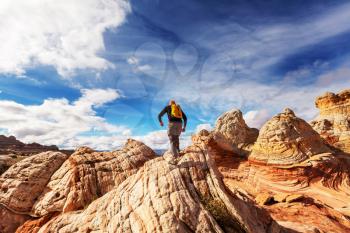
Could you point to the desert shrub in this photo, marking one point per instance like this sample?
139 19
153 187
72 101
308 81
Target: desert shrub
222 216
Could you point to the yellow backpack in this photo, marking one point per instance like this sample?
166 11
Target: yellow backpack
176 111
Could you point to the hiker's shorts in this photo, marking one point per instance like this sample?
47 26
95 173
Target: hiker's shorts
174 128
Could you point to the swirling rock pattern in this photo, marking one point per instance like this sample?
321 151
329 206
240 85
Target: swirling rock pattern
87 175
333 122
287 139
322 181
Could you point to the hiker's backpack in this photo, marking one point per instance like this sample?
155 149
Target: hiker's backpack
176 111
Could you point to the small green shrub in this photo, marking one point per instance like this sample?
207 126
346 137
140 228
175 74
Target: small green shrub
222 216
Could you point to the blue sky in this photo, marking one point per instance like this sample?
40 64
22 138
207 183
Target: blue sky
97 72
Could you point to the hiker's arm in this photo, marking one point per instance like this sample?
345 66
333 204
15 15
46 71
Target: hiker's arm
185 119
161 114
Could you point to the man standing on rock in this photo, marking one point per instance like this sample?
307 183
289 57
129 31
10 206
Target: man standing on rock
175 117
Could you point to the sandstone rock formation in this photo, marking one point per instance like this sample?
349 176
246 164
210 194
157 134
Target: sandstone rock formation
290 181
287 139
21 185
88 175
232 132
333 122
189 197
317 189
28 176
51 182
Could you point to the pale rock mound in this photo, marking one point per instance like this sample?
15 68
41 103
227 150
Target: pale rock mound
231 132
24 182
287 139
333 122
49 183
88 175
21 185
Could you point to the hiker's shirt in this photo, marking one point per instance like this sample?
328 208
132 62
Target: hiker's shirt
173 120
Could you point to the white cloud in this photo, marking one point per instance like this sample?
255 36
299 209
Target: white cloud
159 139
106 143
135 62
65 34
132 60
144 68
205 126
57 121
156 139
256 118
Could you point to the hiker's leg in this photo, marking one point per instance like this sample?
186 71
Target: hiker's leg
173 147
177 142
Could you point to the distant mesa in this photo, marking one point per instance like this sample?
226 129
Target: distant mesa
12 145
13 150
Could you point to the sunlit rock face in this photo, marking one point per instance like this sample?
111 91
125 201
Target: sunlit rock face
333 122
52 182
88 175
285 140
233 133
23 183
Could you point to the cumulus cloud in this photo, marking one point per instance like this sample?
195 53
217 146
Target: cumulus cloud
256 118
157 140
58 121
65 34
103 143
